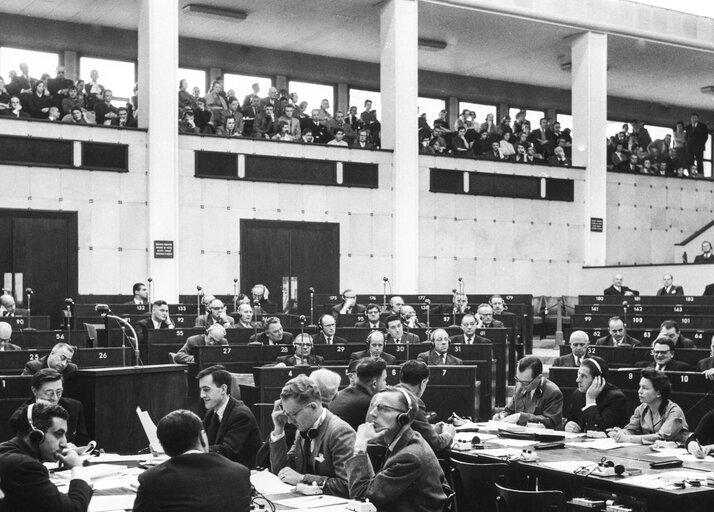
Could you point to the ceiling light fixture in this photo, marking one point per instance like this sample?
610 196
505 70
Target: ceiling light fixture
432 45
214 12
707 89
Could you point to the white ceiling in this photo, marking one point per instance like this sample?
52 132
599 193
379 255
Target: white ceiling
479 44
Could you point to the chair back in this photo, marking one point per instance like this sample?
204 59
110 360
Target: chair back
475 484
515 500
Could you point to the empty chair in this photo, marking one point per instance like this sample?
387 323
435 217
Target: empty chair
475 484
515 500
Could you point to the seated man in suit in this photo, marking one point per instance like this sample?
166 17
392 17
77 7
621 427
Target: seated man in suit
322 446
141 294
216 315
394 308
707 256
617 288
459 305
215 335
669 288
410 479
596 405
706 365
302 356
230 426
349 305
414 377
485 317
375 349
395 331
6 338
60 358
273 334
618 335
245 318
159 319
181 483
438 355
8 308
351 404
24 479
663 357
47 385
535 399
468 328
579 343
328 382
373 321
670 329
410 319
326 336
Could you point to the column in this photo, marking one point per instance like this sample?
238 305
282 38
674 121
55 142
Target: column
158 65
589 106
71 65
343 98
398 84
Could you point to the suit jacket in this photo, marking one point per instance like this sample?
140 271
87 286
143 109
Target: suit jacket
27 487
207 320
682 342
699 258
17 312
673 290
320 339
410 479
567 361
544 405
357 309
380 325
628 340
238 437
440 443
407 337
610 410
76 424
494 324
697 137
197 482
352 404
705 364
35 365
188 353
329 452
433 358
461 338
388 358
672 366
143 326
11 346
313 360
263 339
623 289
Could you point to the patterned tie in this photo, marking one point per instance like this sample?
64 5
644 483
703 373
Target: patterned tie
306 454
212 431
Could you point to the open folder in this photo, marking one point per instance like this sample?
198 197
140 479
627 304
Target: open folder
150 431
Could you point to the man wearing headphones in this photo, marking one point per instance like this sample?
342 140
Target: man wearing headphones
322 446
410 479
596 405
373 321
349 305
59 358
41 437
273 334
375 349
395 331
302 345
245 318
215 335
326 336
181 482
439 353
216 315
352 403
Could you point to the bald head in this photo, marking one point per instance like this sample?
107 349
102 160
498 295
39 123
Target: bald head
8 302
579 342
5 332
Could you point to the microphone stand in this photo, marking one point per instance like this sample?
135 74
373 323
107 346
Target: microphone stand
302 324
123 323
384 294
625 305
312 309
151 289
29 309
198 301
68 320
428 311
255 327
235 294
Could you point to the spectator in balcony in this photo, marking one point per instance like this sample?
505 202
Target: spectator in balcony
249 114
188 123
271 99
481 145
559 159
229 128
490 127
307 137
522 138
295 103
462 120
618 138
216 102
362 141
39 103
370 122
540 138
619 155
123 119
4 96
15 109
339 122
425 148
185 98
557 133
646 167
697 135
234 111
507 149
72 100
339 139
283 101
706 256
672 163
441 121
59 86
248 100
76 116
13 85
93 90
282 132
319 130
505 127
104 110
291 122
679 143
640 134
460 146
494 153
661 145
324 112
54 114
353 119
521 156
263 123
630 166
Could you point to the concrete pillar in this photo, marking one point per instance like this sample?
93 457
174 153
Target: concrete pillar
589 107
71 65
399 86
158 64
452 107
343 98
213 74
501 112
281 82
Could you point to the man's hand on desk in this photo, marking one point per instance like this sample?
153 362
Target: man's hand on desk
698 450
709 374
290 476
620 436
511 418
445 428
572 427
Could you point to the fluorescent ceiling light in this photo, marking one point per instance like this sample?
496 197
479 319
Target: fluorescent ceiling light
214 12
432 45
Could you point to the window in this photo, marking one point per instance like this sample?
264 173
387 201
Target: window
359 96
657 132
533 116
243 85
481 111
313 94
194 77
116 75
615 127
565 120
38 63
431 107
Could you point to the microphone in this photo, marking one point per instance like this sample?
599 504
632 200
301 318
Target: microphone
28 291
625 303
302 319
453 290
102 309
385 279
461 279
69 302
198 289
235 279
312 290
427 302
151 289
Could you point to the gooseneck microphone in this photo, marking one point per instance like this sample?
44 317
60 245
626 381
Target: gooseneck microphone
151 289
312 308
235 294
384 293
199 294
29 293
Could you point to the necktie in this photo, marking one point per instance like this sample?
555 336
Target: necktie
212 430
577 361
329 340
306 454
469 340
374 326
443 359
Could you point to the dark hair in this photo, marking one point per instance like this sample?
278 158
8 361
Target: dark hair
660 382
369 368
600 368
371 305
270 321
669 324
42 414
137 287
219 374
158 303
43 376
392 318
413 372
178 431
614 319
532 362
663 340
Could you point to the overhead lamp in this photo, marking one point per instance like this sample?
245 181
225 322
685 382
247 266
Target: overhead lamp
707 89
214 12
432 45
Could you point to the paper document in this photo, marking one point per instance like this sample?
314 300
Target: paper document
600 444
150 430
95 471
307 502
115 502
569 465
267 483
498 452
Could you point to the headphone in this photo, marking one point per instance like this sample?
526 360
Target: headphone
36 435
406 418
606 463
311 433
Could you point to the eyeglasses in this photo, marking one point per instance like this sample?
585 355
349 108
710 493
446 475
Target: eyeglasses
382 408
217 308
303 344
522 381
292 415
52 393
659 352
